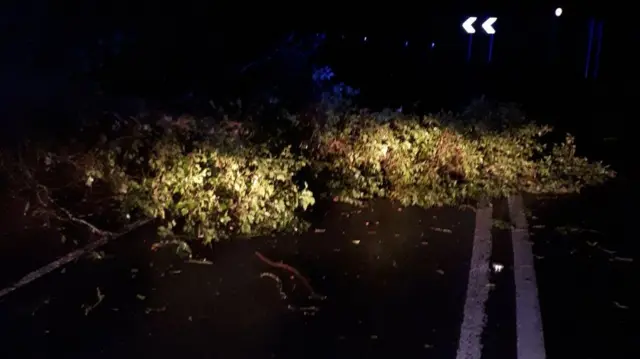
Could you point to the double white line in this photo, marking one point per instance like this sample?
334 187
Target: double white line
530 339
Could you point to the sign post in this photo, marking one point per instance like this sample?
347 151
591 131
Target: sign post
467 25
487 26
598 49
587 61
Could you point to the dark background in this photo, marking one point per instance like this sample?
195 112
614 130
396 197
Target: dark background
58 53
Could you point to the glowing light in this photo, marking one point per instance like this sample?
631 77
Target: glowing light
467 25
365 38
558 12
433 44
488 25
406 43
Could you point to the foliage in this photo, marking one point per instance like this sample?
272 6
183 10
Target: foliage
216 178
212 187
440 160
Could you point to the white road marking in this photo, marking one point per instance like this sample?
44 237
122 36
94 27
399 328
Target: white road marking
530 338
470 345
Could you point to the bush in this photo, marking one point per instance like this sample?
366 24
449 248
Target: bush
211 187
220 179
423 162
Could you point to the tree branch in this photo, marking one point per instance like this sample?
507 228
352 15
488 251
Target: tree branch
63 214
38 273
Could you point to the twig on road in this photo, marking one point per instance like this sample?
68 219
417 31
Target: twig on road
61 213
38 273
278 281
293 271
89 307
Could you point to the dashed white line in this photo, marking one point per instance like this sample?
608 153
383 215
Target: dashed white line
530 337
473 323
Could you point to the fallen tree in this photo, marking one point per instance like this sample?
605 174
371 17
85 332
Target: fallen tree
236 176
218 178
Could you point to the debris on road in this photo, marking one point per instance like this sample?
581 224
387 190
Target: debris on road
199 261
278 281
155 310
310 310
44 303
620 305
182 248
96 255
442 230
294 272
565 230
89 307
500 224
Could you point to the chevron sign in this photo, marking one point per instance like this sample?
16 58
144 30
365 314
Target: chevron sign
487 25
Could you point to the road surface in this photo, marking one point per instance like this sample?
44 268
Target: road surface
523 278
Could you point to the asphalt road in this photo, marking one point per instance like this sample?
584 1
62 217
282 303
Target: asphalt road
384 281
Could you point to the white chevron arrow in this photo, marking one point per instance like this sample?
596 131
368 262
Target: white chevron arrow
467 25
488 25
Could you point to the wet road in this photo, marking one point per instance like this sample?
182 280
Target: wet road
441 283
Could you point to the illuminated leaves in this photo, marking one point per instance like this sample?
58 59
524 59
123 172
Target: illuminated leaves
220 181
218 189
443 160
